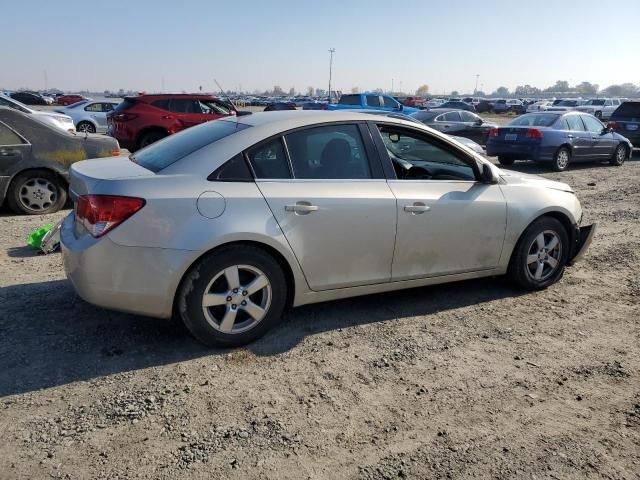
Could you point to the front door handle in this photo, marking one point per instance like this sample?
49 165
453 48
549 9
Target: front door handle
8 153
301 208
417 208
569 136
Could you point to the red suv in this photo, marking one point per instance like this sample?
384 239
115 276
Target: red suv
69 99
140 121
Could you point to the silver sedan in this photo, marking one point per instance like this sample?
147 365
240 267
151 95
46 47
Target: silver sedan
90 116
229 223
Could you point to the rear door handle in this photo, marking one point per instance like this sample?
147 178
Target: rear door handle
569 136
417 208
301 208
8 153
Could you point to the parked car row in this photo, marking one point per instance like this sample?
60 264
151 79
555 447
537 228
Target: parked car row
58 120
36 98
36 156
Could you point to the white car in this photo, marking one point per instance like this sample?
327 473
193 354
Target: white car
90 116
601 108
64 122
539 106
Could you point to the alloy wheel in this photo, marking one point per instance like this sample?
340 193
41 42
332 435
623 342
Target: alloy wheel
237 299
38 194
544 255
621 154
563 159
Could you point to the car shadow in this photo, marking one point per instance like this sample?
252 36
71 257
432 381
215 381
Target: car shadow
537 168
50 337
22 252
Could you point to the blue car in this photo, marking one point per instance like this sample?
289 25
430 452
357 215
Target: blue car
558 138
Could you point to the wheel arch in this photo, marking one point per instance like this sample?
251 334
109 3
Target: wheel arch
149 129
562 217
270 250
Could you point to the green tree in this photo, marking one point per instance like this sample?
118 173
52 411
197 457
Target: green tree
422 90
560 86
455 93
355 89
310 91
587 88
501 92
277 90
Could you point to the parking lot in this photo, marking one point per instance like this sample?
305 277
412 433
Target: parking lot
473 379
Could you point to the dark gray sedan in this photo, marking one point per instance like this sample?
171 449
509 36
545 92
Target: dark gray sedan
35 159
456 122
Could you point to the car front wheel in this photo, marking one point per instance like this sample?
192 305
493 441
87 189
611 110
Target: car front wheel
619 156
233 296
540 255
85 127
506 161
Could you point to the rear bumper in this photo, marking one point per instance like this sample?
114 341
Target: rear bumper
583 237
130 279
520 151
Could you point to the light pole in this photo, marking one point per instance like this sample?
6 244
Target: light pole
475 90
331 52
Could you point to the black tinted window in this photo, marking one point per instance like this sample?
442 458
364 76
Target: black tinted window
373 100
330 152
350 100
126 104
161 154
234 170
269 160
163 104
183 105
627 110
534 120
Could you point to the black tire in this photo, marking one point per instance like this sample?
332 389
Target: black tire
197 280
561 159
521 272
85 127
150 137
506 161
619 155
36 192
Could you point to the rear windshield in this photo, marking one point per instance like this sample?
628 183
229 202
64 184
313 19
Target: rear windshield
627 110
126 104
423 116
160 155
350 100
534 120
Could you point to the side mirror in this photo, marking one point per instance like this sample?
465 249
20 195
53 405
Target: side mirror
487 175
606 130
479 122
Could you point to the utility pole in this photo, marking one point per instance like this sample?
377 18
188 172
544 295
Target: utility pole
476 89
46 81
392 86
331 52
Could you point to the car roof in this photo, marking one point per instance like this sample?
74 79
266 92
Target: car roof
171 95
303 117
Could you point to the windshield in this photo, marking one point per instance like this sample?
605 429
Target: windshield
595 102
568 103
534 120
160 155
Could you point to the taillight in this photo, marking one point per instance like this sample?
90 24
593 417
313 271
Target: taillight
125 117
612 125
101 213
493 132
534 133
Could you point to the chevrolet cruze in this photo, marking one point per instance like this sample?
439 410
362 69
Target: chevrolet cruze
229 223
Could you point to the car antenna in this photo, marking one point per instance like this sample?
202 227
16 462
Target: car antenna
230 101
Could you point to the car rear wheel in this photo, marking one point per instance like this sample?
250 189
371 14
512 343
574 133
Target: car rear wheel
561 159
36 192
540 255
506 161
150 137
233 296
85 127
619 156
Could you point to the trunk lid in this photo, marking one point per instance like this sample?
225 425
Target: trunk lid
85 175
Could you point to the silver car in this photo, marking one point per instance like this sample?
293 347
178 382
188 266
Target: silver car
90 116
229 223
58 120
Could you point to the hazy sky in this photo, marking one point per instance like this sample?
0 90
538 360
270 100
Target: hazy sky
259 44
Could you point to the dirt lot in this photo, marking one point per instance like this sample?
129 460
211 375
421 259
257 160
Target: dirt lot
475 379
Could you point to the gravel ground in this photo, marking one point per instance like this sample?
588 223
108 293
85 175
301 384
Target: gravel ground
469 380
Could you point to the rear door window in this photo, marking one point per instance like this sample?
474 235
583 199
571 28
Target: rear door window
390 102
184 105
373 100
451 117
575 123
269 160
8 136
93 107
329 152
350 100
